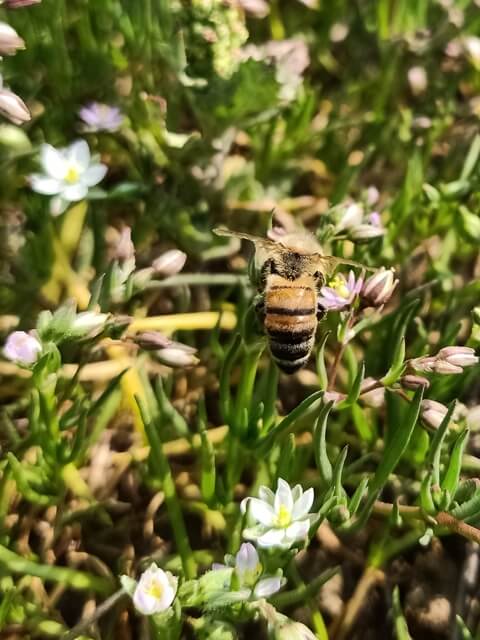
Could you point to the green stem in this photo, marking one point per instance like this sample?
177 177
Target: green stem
65 575
162 468
303 592
317 618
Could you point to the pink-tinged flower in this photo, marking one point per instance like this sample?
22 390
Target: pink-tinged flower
10 41
12 106
340 292
371 228
155 591
413 382
378 289
101 117
22 347
282 518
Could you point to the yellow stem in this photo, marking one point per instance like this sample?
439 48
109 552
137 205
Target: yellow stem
185 321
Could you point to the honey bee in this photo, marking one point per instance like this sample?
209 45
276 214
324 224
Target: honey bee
292 271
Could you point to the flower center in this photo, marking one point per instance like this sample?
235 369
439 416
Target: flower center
249 577
284 517
72 174
155 589
338 284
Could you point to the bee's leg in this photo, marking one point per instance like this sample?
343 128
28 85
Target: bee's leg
320 312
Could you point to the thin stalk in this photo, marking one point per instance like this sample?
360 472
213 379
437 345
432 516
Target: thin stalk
162 468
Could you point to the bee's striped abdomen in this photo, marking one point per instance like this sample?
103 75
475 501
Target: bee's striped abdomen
291 323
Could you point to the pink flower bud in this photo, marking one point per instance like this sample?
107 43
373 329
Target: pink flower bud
411 381
169 263
433 413
18 4
13 107
378 289
10 41
174 357
417 79
458 356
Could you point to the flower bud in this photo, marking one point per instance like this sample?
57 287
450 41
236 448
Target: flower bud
10 41
417 79
378 289
125 249
293 631
351 217
13 107
433 413
22 347
175 357
89 323
425 364
18 4
366 232
413 382
169 263
458 356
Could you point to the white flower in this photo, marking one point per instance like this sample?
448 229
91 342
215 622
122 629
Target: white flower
247 569
68 174
22 347
155 591
417 79
282 518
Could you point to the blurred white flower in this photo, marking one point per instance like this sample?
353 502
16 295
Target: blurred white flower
169 263
22 347
417 79
12 106
101 117
256 8
282 518
10 41
89 322
338 32
248 571
471 46
155 591
68 174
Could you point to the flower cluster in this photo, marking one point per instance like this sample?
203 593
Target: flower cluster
449 360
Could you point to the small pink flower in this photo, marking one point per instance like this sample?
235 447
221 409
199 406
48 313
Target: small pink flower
22 347
340 292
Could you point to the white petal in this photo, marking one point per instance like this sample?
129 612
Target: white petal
57 206
297 492
45 185
266 494
272 538
246 558
53 161
79 153
94 174
267 586
302 506
145 603
74 192
298 530
261 512
283 496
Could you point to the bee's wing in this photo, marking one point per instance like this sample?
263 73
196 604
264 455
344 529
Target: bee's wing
263 246
328 264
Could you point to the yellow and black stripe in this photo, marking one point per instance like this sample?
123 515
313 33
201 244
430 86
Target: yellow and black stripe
290 323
